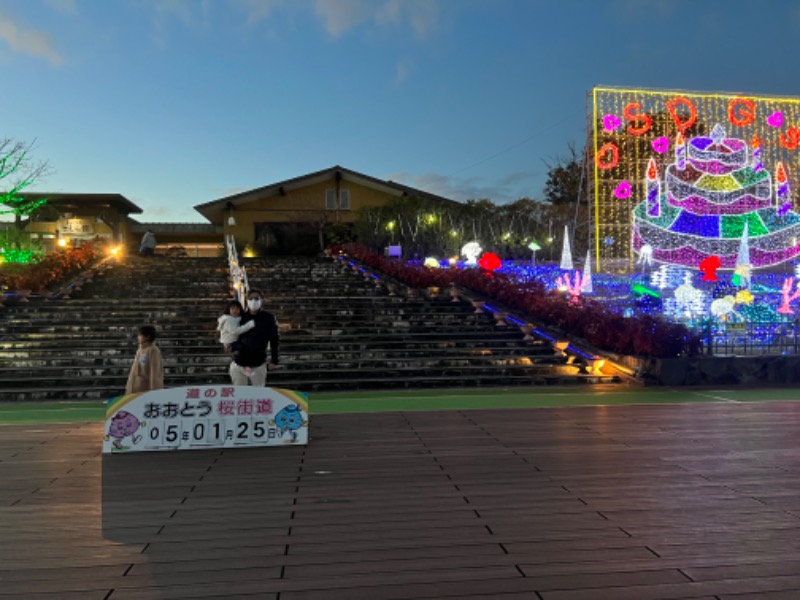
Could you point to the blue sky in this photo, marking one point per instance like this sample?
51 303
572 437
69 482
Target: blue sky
174 103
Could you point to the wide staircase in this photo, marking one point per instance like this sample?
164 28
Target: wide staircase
340 330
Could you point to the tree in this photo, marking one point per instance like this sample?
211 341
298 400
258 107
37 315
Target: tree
18 170
567 191
565 179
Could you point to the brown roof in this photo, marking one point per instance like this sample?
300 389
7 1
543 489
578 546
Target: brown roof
65 202
214 211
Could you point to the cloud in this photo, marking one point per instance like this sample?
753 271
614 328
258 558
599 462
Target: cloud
257 10
422 15
191 13
340 16
63 6
28 41
509 188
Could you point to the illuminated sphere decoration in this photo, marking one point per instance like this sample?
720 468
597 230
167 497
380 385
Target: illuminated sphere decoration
431 263
490 261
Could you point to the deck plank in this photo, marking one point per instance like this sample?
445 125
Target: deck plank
644 502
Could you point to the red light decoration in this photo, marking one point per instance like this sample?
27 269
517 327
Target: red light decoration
791 138
631 114
709 266
672 107
490 261
599 159
743 117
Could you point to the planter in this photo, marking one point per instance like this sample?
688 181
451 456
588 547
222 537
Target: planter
433 292
478 306
560 347
526 329
392 288
500 319
455 295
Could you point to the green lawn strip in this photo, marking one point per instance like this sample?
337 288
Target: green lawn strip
387 401
24 413
449 399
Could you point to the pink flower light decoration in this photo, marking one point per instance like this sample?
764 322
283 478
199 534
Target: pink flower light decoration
611 123
775 119
661 144
623 190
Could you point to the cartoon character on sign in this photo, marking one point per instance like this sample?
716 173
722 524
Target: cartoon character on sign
123 425
289 419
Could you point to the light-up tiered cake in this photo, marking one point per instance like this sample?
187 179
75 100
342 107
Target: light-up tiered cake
712 189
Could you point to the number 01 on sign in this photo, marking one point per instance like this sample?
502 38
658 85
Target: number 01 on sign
210 416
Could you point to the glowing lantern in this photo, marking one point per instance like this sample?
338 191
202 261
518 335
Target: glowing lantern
490 261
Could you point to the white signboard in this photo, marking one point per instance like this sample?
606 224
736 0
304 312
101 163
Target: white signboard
209 416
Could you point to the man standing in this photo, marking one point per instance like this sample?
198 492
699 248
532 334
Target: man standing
250 364
148 245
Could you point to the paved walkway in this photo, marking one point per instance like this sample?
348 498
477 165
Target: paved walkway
632 502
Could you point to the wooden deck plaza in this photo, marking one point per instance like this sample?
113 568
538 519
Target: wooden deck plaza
591 503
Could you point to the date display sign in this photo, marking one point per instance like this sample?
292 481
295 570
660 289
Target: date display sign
210 416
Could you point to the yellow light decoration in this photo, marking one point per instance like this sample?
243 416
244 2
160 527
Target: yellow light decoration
431 263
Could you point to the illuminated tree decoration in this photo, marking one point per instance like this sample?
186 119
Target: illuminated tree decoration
743 269
566 252
586 284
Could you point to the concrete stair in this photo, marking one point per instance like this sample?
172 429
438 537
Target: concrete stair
339 331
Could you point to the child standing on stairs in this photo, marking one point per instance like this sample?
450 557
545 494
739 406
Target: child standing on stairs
147 370
229 328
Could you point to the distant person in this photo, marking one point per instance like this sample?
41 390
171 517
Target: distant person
148 245
250 364
147 370
230 327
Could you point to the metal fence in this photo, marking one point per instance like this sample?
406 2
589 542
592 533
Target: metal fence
748 339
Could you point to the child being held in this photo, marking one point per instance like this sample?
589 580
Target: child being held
229 328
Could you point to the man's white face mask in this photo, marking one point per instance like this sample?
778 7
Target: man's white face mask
254 304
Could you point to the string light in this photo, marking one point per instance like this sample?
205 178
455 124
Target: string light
708 189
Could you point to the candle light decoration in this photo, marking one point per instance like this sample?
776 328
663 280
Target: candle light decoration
680 152
653 190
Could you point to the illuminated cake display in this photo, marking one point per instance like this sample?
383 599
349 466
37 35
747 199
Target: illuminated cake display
713 188
678 175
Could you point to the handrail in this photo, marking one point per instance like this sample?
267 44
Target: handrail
238 273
